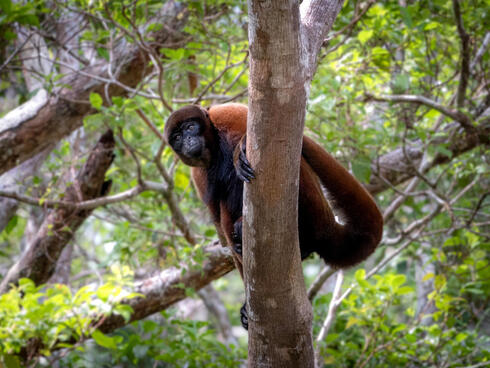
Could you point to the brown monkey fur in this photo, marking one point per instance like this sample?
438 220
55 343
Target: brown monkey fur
213 145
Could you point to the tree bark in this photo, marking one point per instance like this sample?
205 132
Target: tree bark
283 53
169 286
39 261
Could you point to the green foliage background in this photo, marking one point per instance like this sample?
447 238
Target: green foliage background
393 49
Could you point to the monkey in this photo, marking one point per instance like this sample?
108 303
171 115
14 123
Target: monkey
212 141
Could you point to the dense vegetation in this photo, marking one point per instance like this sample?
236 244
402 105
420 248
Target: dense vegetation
400 97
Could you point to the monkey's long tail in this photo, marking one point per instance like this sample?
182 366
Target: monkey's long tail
362 227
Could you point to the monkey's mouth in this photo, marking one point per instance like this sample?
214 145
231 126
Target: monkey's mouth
193 151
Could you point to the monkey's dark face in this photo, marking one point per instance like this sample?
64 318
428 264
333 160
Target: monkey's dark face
188 141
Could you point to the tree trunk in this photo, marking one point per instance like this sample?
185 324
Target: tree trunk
284 42
280 315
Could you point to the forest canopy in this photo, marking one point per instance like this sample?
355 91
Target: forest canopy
109 258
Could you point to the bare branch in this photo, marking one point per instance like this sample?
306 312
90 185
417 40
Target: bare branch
464 56
397 166
332 308
218 77
453 114
395 204
89 204
322 277
481 51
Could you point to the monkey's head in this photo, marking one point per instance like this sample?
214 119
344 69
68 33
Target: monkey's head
190 134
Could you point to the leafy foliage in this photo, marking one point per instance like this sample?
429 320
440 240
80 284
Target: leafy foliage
388 320
53 317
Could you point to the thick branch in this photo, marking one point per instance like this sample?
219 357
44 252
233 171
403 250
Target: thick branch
317 17
169 286
398 166
39 262
21 136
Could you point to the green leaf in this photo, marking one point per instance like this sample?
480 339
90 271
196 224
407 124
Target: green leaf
181 180
362 170
407 19
12 224
360 274
104 340
11 361
431 25
6 6
460 337
401 83
398 281
28 19
102 52
95 100
352 321
365 35
124 310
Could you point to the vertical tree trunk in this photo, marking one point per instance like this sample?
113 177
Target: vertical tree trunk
279 312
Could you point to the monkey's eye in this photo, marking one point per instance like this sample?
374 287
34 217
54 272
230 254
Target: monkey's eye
191 128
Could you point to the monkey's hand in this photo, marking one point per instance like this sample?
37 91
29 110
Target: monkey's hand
244 316
242 167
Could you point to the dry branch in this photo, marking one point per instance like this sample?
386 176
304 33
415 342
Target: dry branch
169 286
39 262
399 165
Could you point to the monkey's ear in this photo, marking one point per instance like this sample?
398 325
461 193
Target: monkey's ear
206 111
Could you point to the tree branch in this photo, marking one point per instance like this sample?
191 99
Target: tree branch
464 56
317 17
453 114
89 204
169 286
22 136
332 308
39 262
161 291
481 51
397 166
323 276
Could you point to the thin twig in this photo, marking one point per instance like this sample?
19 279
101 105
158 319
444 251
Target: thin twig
322 277
464 55
458 116
86 205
